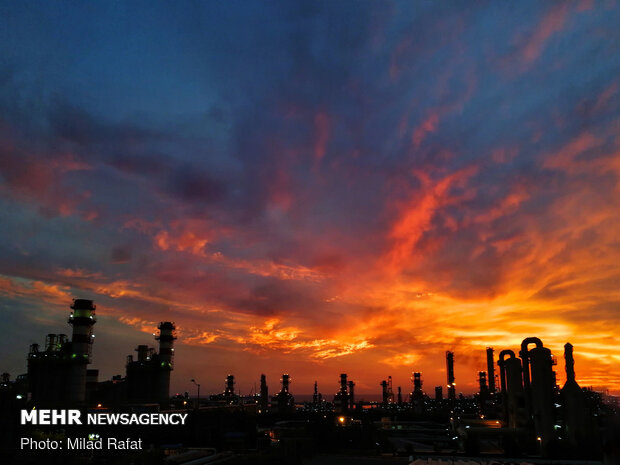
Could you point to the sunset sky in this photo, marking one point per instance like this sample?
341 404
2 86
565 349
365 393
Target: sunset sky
313 187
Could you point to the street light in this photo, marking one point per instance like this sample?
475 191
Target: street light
198 397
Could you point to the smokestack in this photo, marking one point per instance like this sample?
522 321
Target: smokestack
264 393
351 393
143 352
570 362
525 357
438 393
490 369
166 341
82 319
450 373
50 342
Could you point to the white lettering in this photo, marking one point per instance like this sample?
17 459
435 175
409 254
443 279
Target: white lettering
29 417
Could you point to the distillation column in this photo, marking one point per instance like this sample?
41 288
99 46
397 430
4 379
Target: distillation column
539 381
511 380
575 425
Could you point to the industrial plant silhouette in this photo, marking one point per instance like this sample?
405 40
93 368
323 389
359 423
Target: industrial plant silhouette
527 415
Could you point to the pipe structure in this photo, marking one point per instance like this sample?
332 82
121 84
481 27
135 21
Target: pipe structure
541 393
502 376
490 370
524 354
512 388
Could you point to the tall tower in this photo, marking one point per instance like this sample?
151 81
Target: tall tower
315 395
341 400
450 373
482 383
82 319
264 393
229 392
417 396
351 394
384 392
166 340
542 383
417 384
575 424
490 370
283 399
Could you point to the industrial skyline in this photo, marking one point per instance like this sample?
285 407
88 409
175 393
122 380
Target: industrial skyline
529 414
57 374
314 188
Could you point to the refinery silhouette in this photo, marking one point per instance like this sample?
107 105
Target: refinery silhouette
518 415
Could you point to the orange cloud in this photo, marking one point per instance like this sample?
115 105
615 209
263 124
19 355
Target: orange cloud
552 23
427 127
415 217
